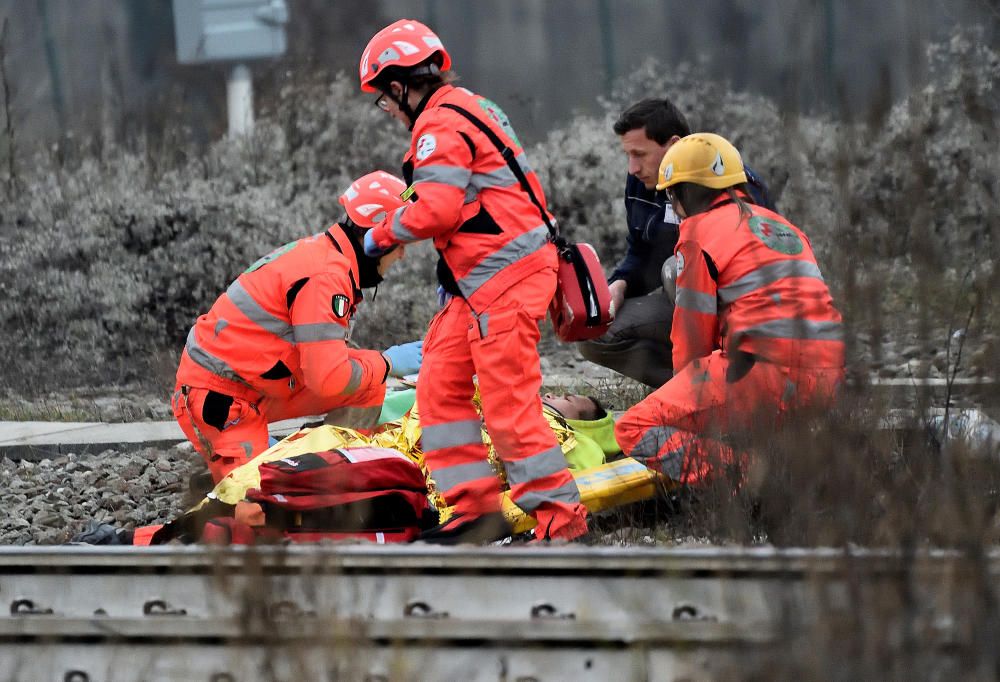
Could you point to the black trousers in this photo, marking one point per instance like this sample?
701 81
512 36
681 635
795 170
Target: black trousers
638 342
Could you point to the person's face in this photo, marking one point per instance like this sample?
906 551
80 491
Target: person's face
572 406
389 105
644 155
386 261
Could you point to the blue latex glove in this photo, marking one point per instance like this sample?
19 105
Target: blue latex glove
405 358
373 250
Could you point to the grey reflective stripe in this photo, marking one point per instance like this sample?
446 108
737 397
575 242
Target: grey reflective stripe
256 314
357 372
768 274
501 177
447 478
648 448
567 493
354 418
319 331
543 464
471 194
220 325
689 299
795 329
456 176
451 434
209 361
484 325
399 230
651 442
672 463
511 252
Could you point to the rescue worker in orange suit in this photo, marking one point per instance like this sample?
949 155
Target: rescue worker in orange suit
274 345
755 333
497 272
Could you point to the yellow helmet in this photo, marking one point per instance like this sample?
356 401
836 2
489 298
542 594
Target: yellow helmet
704 159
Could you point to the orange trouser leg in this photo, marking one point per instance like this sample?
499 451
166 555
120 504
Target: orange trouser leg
226 434
451 436
504 347
670 430
304 403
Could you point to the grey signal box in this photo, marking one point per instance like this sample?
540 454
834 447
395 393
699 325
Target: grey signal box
231 30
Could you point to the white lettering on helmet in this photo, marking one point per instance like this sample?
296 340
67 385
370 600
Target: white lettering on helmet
425 146
668 173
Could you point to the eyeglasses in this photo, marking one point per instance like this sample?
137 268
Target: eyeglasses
382 102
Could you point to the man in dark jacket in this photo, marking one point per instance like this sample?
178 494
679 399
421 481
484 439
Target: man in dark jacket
638 342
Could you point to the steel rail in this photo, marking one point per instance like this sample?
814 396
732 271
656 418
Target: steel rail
502 613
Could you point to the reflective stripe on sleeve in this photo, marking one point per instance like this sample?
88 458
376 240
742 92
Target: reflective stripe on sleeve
447 478
246 304
319 331
357 372
451 434
454 176
538 466
511 252
768 274
399 231
689 299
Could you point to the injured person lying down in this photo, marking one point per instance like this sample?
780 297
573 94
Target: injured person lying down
331 482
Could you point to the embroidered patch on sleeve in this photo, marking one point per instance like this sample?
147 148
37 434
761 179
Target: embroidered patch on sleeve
425 146
341 305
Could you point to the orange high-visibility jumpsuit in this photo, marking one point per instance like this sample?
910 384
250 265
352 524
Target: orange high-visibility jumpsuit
755 334
497 261
273 347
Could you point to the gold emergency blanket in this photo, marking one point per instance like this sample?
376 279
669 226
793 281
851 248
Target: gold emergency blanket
602 487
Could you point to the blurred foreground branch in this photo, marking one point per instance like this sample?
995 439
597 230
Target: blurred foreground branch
9 124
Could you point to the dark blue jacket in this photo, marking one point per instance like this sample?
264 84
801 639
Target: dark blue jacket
653 228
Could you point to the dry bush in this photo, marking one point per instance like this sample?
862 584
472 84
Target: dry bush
119 244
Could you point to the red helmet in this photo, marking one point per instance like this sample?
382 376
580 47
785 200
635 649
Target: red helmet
371 197
404 43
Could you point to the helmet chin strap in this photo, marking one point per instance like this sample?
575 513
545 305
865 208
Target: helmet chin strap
404 106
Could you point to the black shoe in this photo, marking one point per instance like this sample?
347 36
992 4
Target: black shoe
97 533
466 528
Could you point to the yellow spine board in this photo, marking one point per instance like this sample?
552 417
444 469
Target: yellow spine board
609 485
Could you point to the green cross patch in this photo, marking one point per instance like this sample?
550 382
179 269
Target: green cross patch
497 115
776 235
272 256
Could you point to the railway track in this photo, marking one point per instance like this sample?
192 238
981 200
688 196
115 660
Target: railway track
361 612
